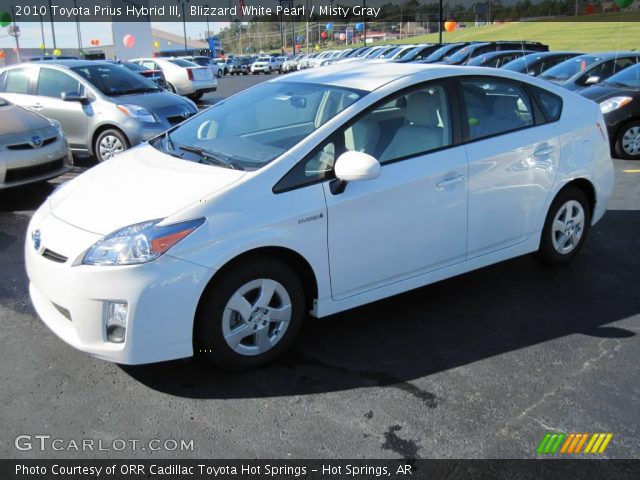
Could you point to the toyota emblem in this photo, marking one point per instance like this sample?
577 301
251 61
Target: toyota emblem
36 239
36 141
185 115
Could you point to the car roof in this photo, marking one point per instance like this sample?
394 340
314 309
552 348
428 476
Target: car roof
371 76
72 63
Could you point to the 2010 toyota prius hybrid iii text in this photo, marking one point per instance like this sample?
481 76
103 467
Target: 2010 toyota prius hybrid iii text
313 193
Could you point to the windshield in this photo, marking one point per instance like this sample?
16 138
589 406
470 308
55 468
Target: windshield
380 52
183 63
410 52
440 53
460 56
519 64
629 77
251 129
113 80
264 59
391 52
569 68
202 61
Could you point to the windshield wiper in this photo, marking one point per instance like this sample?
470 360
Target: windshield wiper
211 157
617 84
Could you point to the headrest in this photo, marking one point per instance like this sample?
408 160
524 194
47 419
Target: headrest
422 109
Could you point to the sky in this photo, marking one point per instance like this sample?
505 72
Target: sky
66 35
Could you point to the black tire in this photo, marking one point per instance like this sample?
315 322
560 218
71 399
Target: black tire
219 73
171 88
196 96
209 341
548 254
114 133
618 148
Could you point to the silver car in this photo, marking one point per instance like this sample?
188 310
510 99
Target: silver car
103 108
32 147
183 77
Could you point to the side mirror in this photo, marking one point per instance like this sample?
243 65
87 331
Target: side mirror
354 166
592 80
74 97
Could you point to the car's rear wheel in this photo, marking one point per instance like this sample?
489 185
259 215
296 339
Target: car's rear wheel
250 315
628 142
219 73
109 143
196 96
565 228
171 88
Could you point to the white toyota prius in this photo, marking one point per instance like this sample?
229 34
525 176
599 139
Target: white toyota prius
313 194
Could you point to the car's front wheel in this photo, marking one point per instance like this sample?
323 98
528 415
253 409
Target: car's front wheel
250 315
109 143
628 142
565 228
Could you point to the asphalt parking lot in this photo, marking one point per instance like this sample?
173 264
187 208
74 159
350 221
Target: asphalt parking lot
478 366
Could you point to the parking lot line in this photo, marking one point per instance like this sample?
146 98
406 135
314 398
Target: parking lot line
631 171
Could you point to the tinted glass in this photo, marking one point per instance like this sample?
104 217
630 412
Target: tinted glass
17 81
53 83
495 106
550 103
182 63
113 80
569 68
629 77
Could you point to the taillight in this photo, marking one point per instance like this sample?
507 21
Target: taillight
190 73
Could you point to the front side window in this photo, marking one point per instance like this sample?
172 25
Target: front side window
254 128
53 83
495 106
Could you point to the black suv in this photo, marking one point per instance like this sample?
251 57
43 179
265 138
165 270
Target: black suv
462 56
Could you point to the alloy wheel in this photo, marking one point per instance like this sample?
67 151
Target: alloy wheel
256 317
110 145
567 227
631 141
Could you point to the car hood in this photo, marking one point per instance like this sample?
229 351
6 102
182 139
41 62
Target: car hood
138 185
17 120
157 102
601 92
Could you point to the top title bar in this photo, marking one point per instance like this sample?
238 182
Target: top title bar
302 10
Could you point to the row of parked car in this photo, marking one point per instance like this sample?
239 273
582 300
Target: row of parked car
602 77
104 107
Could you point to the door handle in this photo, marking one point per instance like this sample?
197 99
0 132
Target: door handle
449 182
543 151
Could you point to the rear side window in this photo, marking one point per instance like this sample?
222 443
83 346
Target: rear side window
495 106
17 81
549 103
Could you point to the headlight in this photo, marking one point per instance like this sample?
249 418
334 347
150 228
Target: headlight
139 113
139 243
56 124
614 103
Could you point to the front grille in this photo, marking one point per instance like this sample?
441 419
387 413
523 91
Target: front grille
176 119
65 313
24 173
28 146
53 256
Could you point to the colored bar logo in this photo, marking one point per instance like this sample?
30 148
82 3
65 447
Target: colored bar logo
573 443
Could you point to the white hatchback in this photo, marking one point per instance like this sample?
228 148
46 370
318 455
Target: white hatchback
313 193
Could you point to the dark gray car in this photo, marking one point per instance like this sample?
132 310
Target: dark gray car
103 108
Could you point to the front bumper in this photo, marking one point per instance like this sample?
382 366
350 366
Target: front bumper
255 69
20 167
71 298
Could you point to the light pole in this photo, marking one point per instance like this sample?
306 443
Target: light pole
75 4
53 30
208 34
44 45
184 22
440 22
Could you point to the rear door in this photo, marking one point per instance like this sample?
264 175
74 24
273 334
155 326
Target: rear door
413 218
16 85
513 156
